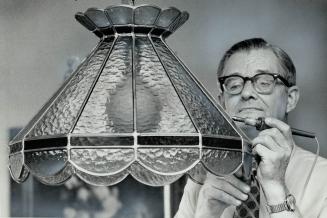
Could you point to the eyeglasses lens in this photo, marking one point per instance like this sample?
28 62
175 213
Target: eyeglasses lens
263 84
234 85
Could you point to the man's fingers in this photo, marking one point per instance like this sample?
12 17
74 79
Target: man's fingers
275 134
267 141
233 180
214 194
227 198
284 142
226 187
280 125
239 184
263 151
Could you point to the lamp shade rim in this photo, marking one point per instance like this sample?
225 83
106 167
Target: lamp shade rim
127 19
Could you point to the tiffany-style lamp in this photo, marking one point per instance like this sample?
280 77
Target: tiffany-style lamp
131 108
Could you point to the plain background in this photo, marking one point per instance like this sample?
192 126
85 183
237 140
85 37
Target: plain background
37 37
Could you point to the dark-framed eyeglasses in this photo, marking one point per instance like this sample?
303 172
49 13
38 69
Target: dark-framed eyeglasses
263 83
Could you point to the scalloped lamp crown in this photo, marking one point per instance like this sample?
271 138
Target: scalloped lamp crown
131 108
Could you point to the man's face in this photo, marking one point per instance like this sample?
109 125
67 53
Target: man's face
249 103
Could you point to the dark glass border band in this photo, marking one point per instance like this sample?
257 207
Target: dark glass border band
222 143
168 140
46 143
142 30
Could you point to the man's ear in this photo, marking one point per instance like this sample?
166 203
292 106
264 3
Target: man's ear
292 98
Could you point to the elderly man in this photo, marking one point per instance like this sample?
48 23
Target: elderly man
258 80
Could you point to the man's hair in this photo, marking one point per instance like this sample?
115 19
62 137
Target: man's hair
259 43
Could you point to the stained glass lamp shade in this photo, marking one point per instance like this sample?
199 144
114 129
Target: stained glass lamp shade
131 108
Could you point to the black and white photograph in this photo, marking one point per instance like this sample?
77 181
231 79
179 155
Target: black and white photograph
163 108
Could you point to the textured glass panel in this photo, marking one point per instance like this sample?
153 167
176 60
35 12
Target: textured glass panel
198 173
222 143
104 161
221 162
98 17
168 160
15 147
59 178
168 140
101 141
60 117
46 163
102 180
146 15
120 15
110 106
205 115
30 124
158 107
147 177
16 165
167 17
23 176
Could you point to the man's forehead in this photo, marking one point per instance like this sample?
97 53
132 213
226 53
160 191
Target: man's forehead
249 63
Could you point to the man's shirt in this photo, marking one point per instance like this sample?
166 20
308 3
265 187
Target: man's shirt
309 187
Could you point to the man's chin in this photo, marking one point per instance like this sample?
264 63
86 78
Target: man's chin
250 131
253 115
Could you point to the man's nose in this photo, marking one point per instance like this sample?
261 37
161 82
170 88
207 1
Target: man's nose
248 90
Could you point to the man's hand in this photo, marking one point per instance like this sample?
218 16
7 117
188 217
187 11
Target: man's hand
218 193
274 146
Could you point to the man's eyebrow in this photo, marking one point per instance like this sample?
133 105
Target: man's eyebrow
264 71
235 74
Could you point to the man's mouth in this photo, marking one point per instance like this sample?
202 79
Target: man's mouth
249 109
